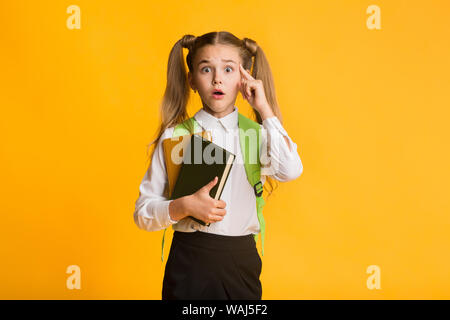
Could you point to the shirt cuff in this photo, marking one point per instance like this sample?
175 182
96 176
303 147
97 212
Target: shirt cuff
168 213
160 213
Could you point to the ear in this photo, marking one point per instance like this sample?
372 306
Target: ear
191 81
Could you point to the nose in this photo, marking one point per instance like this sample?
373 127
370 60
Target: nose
216 79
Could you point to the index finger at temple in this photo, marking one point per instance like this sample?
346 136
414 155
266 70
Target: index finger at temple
245 73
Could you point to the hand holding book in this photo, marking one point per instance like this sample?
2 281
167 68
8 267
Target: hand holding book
200 196
202 206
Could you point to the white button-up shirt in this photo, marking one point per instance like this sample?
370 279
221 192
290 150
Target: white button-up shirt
152 208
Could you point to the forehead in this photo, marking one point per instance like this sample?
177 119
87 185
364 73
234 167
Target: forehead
215 54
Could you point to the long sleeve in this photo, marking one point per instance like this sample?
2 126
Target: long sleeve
152 208
279 160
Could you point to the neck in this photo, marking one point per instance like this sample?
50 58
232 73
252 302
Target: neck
219 114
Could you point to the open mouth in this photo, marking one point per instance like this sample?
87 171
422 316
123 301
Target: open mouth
217 94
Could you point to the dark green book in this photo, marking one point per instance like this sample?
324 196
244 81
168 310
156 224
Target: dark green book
202 161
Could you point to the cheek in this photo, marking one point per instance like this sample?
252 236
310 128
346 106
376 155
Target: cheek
237 83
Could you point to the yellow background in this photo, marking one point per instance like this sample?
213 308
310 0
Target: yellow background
368 110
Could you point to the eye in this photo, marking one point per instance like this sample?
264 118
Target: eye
230 68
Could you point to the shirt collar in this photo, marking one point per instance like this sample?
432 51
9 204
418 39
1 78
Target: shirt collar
208 121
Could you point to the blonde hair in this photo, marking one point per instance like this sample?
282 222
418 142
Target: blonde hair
176 96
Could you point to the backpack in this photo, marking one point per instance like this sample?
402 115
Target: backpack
253 171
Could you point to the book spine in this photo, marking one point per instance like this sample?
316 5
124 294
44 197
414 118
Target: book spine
224 176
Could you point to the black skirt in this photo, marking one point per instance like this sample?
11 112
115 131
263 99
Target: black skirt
209 266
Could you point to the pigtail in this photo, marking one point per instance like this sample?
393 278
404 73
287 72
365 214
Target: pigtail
261 70
176 96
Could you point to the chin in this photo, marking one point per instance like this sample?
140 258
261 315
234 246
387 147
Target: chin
219 108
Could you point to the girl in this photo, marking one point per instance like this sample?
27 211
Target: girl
219 261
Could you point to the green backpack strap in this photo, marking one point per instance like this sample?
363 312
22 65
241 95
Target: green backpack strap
253 167
181 129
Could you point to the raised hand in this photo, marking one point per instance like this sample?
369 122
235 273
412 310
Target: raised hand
253 91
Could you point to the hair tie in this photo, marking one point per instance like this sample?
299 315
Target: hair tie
188 41
250 45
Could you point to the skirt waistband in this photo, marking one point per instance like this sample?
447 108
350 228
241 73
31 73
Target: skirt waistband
215 241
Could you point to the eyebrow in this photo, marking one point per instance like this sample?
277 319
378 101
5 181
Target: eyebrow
224 60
